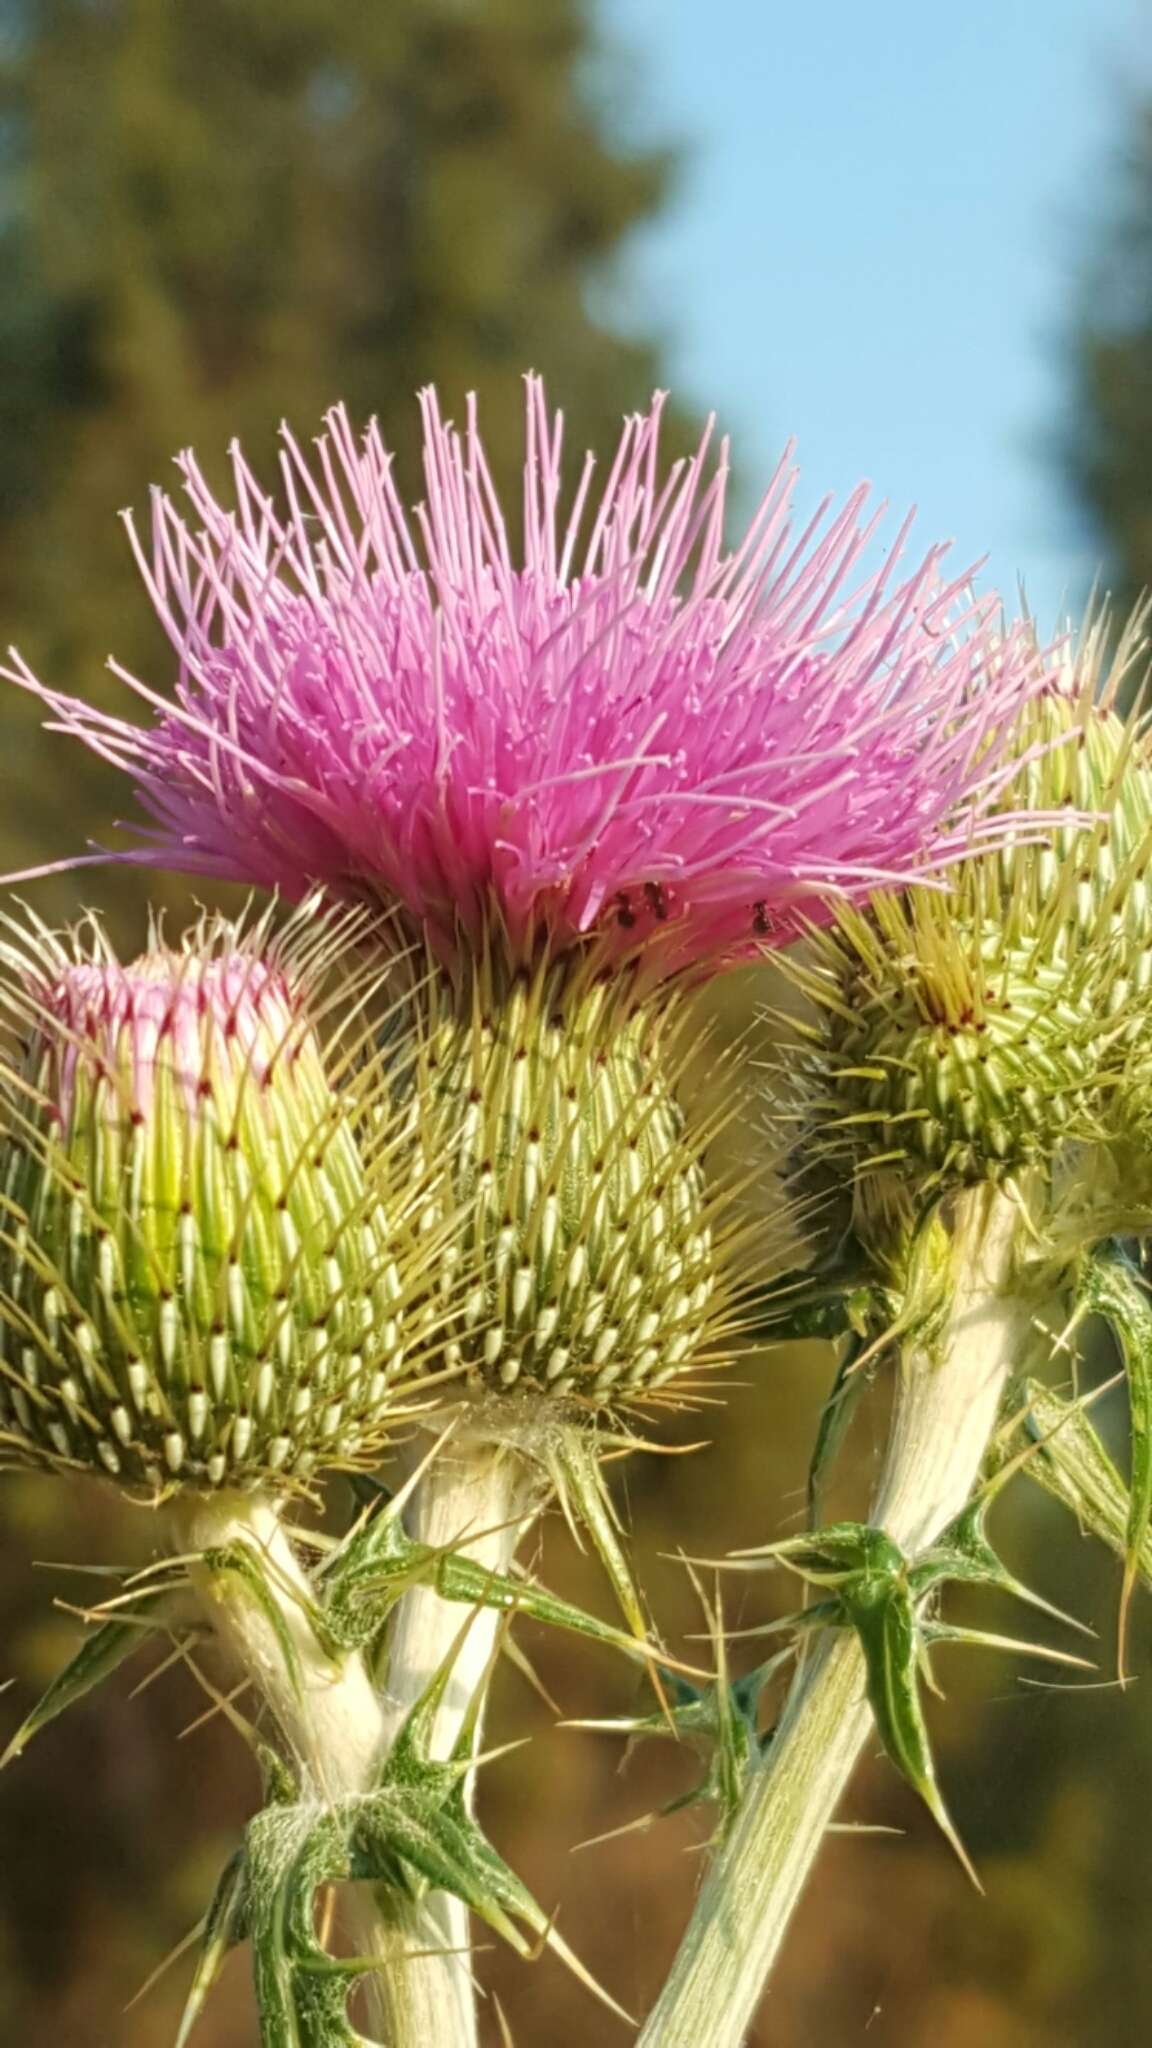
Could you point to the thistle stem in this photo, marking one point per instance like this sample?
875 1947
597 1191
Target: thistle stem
946 1408
325 1707
476 1499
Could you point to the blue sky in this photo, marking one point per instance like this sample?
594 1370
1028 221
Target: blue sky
875 241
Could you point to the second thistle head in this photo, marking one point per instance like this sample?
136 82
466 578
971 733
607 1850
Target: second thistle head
203 1279
997 1026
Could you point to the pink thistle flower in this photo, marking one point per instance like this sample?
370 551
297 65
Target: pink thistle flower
634 731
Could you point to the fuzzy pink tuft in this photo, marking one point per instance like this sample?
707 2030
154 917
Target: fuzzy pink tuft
203 1023
633 731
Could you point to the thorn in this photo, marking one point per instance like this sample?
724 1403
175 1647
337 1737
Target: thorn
940 1632
175 1656
863 1827
942 1817
629 1827
182 1947
523 1664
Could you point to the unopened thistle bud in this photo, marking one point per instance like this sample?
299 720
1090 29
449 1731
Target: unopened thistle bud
999 1023
199 1281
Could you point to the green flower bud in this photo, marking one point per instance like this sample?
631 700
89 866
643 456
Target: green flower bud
999 1022
199 1281
587 1249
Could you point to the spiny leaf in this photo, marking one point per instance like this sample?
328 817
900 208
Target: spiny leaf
225 1925
835 1420
451 1854
409 1761
100 1654
720 1721
574 1468
964 1554
461 1578
1070 1462
831 1556
394 1834
949 1632
272 1840
882 1613
411 1833
379 1562
1113 1288
290 1853
415 1832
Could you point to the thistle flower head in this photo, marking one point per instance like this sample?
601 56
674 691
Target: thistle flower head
1000 1023
200 1278
629 730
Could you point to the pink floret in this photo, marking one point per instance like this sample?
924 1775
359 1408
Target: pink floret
633 730
199 1022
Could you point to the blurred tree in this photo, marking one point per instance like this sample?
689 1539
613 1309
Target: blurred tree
215 216
1109 446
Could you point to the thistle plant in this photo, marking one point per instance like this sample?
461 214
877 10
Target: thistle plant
560 787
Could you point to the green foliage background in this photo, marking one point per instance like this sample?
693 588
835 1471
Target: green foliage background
212 215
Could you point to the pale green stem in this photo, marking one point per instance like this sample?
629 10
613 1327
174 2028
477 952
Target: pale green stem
475 1499
327 1709
331 1719
946 1408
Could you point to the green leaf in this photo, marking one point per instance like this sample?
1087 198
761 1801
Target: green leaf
575 1470
395 1836
378 1562
948 1632
301 1991
100 1654
964 1554
874 1590
881 1609
461 1578
1114 1289
418 1827
835 1422
721 1721
1070 1462
832 1556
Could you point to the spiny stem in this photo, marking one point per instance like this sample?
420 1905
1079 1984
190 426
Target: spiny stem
946 1408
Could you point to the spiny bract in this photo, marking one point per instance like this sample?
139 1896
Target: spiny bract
588 1254
199 1280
